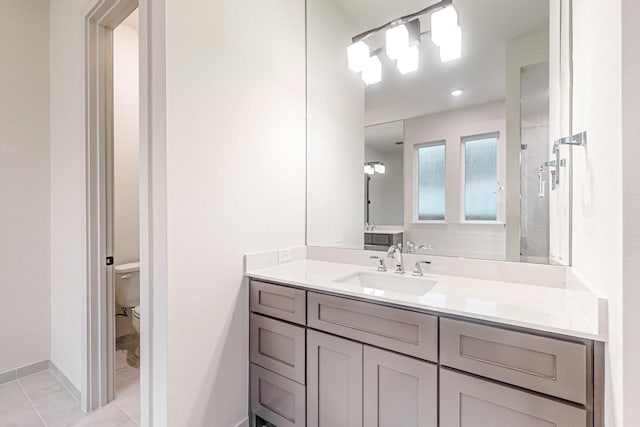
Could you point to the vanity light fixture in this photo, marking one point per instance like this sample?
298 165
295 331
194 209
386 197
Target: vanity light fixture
442 23
372 71
379 168
409 60
357 56
451 47
369 169
402 36
397 39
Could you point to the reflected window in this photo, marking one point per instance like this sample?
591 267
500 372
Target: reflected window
480 177
431 181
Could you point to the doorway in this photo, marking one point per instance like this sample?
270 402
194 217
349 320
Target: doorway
125 213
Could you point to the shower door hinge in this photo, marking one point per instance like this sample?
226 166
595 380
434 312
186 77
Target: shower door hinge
109 260
523 146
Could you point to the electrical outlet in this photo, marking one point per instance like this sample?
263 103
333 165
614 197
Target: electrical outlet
284 255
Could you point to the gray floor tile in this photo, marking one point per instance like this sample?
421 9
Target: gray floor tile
15 408
54 403
107 416
128 392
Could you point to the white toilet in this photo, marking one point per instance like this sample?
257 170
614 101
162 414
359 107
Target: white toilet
128 293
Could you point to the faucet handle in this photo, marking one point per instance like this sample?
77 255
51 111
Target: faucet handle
417 269
381 264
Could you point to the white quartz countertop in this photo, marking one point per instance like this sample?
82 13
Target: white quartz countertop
548 309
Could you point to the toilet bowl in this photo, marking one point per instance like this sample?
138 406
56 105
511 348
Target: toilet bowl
128 293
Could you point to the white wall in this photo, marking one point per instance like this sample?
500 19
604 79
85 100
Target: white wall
386 191
24 183
454 237
126 177
236 184
335 139
68 201
597 180
126 145
631 197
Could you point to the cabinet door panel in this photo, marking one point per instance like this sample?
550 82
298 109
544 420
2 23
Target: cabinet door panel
399 391
334 381
467 401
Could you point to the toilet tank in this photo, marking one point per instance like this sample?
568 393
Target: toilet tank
127 284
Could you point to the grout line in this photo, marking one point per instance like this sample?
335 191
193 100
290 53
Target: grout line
32 404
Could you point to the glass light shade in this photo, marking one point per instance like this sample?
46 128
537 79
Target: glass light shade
379 168
369 170
442 22
409 60
357 56
397 41
372 71
451 47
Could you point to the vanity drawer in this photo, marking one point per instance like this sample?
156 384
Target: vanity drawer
546 365
278 301
403 331
277 399
381 239
278 346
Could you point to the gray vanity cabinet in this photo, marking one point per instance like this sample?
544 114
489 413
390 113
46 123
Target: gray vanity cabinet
467 401
323 360
334 381
399 391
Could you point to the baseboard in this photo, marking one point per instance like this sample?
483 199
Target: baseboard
64 380
243 423
23 371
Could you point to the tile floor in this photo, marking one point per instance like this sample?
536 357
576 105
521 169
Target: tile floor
40 400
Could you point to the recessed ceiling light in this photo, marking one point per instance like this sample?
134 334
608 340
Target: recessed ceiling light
456 92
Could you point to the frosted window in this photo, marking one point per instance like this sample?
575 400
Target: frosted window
480 173
431 172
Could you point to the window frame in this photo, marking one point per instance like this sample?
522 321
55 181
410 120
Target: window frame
416 182
463 185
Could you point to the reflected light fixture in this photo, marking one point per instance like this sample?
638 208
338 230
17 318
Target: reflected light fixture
379 168
403 37
457 92
372 71
371 168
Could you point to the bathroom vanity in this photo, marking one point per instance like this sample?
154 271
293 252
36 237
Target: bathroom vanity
343 345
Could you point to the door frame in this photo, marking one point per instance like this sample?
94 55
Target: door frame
98 367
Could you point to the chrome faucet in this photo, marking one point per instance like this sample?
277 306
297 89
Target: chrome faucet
395 252
417 269
381 265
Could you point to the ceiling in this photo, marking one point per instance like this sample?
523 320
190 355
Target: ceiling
384 136
487 25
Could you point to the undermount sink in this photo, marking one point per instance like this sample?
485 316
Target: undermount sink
389 282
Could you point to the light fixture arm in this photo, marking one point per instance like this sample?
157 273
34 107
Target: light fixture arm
403 19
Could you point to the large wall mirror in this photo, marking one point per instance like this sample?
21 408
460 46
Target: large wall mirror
431 124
